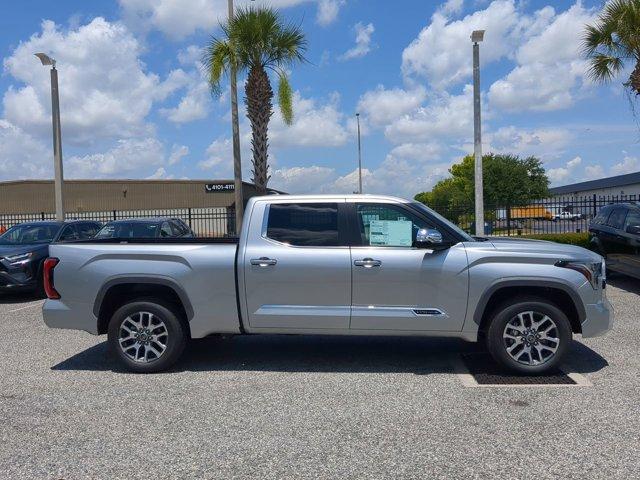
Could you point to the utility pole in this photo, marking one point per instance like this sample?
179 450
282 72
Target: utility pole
476 37
237 164
57 136
359 156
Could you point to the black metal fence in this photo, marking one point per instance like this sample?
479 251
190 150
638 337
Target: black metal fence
205 222
554 215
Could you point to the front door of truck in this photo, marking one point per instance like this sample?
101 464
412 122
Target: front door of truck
297 267
398 287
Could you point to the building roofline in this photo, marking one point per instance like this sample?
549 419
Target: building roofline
609 182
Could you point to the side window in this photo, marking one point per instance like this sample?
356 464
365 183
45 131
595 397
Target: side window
388 225
165 230
87 230
69 233
633 219
304 224
179 228
616 219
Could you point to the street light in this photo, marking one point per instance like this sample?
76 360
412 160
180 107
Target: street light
476 37
359 156
57 135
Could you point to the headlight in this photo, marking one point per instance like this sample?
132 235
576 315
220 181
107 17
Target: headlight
20 259
594 272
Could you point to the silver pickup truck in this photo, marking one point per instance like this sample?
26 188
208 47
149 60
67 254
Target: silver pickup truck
330 265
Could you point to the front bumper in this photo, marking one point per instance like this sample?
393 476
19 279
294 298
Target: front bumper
16 280
599 318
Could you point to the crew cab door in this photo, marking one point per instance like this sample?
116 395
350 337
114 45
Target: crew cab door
297 267
398 287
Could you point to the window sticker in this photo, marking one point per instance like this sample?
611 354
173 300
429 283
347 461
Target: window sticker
390 232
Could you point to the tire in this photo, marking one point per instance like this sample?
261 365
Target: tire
144 328
524 314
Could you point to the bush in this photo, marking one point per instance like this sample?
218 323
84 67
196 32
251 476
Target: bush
571 238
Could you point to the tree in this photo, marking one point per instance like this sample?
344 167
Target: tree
257 41
613 40
508 181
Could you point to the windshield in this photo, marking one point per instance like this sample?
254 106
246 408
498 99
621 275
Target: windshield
26 234
462 233
128 230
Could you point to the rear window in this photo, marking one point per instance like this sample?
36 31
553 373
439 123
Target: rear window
601 217
128 230
304 224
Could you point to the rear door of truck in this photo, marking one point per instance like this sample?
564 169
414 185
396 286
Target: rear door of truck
297 266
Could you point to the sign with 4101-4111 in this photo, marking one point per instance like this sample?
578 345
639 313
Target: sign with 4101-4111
219 187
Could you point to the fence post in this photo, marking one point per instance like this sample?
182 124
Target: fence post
595 205
114 216
508 215
189 217
42 216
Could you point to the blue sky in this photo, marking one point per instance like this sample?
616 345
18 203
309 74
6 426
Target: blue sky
135 103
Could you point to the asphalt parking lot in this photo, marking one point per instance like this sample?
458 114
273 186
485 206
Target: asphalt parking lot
310 407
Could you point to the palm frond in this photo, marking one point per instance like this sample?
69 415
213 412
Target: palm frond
604 68
285 98
218 59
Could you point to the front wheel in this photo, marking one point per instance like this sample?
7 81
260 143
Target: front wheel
147 336
528 335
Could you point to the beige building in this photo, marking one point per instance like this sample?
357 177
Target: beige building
36 196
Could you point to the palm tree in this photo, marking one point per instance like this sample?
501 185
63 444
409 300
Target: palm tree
613 40
257 41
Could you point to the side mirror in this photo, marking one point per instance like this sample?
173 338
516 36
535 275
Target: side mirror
429 238
633 229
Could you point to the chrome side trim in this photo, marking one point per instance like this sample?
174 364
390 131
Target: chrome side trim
305 310
385 311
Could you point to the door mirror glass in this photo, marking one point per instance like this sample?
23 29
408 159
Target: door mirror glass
428 238
633 229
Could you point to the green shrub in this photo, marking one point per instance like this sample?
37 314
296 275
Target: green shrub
571 238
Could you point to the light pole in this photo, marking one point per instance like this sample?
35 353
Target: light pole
57 135
476 37
235 129
359 156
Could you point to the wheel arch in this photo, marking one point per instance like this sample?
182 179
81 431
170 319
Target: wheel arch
561 295
118 291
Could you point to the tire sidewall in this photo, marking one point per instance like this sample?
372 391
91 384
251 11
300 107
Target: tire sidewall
176 341
505 313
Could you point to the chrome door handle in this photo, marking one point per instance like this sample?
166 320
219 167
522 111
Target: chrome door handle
367 263
263 261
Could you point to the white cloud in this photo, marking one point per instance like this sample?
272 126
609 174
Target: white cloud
104 90
194 105
452 6
176 20
447 116
383 106
133 157
442 51
178 152
314 124
363 42
628 164
328 11
301 179
218 155
160 173
541 142
21 155
550 66
563 174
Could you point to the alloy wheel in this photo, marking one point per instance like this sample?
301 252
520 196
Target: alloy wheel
143 337
531 338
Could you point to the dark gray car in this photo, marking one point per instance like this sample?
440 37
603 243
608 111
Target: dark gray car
615 234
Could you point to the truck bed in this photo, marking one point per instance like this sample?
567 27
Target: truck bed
205 268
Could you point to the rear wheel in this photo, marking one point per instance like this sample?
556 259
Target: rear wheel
528 335
147 336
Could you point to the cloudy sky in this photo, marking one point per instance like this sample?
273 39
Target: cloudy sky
135 104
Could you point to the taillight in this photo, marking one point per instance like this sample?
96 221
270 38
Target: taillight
49 289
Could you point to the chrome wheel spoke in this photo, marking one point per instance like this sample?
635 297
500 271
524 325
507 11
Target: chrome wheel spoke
531 338
143 337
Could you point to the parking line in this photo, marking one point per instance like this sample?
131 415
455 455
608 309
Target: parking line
24 308
467 380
